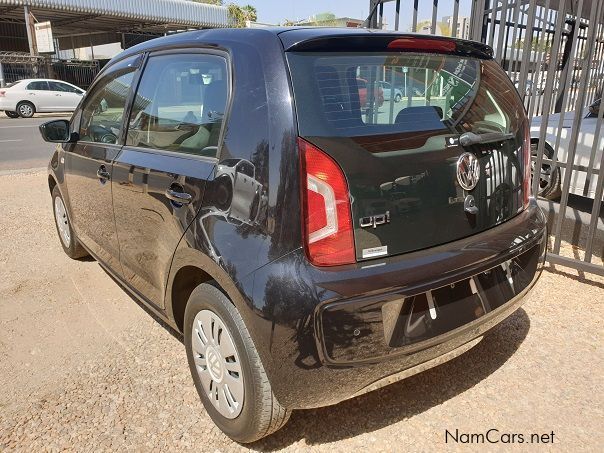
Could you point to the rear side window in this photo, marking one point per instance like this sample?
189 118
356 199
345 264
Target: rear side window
180 104
342 94
38 85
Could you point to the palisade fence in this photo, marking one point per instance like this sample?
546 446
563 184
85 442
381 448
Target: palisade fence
553 51
18 65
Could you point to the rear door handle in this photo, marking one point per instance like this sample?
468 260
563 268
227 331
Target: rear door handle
102 173
177 194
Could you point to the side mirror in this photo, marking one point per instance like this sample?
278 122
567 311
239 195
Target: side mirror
57 131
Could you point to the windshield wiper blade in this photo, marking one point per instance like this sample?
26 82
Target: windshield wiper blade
470 138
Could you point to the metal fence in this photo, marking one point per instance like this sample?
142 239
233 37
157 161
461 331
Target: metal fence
553 51
17 66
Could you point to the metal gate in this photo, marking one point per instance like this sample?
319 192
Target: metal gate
553 51
17 66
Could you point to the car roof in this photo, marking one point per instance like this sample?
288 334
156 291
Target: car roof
296 38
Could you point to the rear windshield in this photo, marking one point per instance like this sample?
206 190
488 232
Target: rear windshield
350 94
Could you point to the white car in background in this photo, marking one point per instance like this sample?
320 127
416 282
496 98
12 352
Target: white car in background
389 92
551 181
28 96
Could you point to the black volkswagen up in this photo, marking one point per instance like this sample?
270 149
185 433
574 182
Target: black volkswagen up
310 247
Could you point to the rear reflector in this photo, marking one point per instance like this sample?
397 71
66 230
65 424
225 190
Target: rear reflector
423 45
327 218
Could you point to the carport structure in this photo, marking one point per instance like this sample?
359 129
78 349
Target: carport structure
82 23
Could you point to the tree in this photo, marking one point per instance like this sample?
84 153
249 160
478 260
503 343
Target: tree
241 14
211 2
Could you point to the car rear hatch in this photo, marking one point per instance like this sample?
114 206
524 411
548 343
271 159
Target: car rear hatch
444 163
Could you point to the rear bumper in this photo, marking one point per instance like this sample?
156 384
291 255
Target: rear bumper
336 333
6 105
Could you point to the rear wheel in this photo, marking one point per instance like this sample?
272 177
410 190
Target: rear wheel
549 180
397 98
69 241
227 370
26 109
11 114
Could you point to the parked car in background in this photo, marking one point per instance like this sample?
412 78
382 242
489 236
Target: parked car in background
551 177
529 88
391 93
378 94
26 97
308 252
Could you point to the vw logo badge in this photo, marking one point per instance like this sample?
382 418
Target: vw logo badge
468 171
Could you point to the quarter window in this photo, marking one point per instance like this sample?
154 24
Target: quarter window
103 111
180 104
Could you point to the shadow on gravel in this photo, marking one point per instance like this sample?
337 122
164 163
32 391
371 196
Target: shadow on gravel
581 277
407 398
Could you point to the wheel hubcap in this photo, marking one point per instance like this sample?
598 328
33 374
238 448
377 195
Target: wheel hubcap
217 363
62 221
25 110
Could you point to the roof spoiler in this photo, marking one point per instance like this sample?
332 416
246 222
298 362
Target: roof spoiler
388 42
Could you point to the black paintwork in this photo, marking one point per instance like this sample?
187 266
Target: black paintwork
149 242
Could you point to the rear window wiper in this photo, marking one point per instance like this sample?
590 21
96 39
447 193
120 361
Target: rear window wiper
470 138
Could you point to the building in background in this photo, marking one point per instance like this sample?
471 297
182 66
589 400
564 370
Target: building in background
463 26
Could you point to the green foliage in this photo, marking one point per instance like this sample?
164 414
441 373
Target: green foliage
240 14
538 45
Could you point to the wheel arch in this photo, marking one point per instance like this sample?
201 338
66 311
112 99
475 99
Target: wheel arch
189 269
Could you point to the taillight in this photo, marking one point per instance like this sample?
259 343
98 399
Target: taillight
326 209
526 154
2 93
423 44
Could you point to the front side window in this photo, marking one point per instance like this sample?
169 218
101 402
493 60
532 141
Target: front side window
103 110
40 85
180 104
58 86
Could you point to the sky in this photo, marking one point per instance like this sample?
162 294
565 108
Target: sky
276 11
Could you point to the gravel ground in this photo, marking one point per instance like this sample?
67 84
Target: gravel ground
83 367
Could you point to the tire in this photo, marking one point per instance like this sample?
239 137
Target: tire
67 237
255 413
550 189
397 98
11 114
26 109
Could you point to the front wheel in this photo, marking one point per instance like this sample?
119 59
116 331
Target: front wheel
69 241
227 370
11 114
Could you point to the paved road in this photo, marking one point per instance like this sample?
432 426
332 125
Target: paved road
21 146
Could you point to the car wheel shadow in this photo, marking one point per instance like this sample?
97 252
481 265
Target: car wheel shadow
404 399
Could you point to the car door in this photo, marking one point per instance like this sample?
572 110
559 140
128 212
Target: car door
38 92
170 151
67 97
88 162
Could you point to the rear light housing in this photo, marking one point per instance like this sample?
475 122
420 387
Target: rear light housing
526 158
326 214
423 45
2 93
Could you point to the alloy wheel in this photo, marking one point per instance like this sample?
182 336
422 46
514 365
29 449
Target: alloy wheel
26 110
217 363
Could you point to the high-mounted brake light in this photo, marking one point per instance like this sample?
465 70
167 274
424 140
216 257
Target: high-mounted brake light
526 155
423 44
326 209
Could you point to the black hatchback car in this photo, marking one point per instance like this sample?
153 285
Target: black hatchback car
310 249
